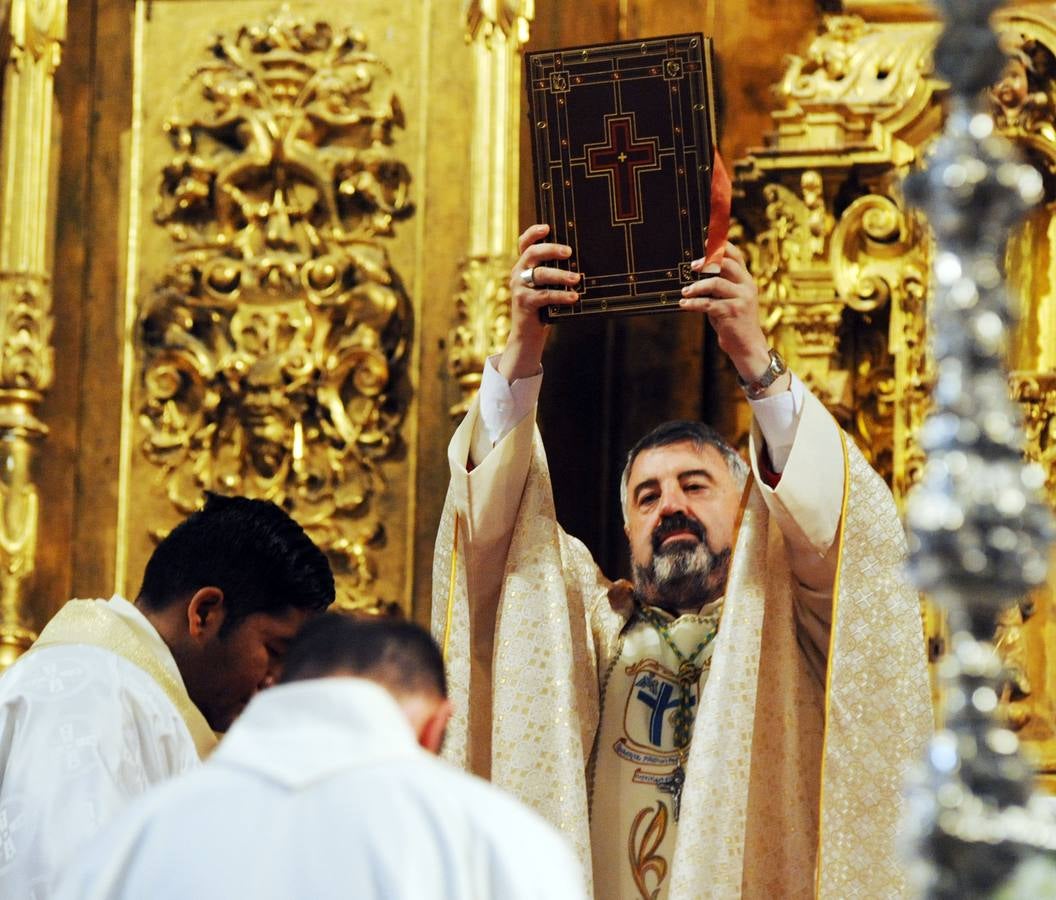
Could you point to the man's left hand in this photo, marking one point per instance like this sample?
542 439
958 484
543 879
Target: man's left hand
731 301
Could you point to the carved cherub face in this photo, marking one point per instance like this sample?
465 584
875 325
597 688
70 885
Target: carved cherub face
1011 91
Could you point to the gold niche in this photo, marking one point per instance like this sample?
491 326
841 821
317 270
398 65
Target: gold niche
274 343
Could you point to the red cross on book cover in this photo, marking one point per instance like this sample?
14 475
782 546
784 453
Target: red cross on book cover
625 168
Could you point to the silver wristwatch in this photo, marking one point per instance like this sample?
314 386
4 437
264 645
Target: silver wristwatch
754 389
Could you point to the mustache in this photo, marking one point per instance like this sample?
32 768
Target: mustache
674 523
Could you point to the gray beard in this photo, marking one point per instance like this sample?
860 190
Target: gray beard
683 579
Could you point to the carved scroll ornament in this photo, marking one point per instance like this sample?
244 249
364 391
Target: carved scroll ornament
273 345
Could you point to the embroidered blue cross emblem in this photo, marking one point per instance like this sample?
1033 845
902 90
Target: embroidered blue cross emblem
657 695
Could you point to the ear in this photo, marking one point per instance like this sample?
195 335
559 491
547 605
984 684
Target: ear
431 732
205 614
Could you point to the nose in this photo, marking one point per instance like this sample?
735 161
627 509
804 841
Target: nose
672 500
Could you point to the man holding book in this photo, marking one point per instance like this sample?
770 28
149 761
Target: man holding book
734 721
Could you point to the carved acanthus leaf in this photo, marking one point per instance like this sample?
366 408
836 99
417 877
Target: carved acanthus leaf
274 342
482 310
27 359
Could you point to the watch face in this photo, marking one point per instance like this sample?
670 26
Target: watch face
775 370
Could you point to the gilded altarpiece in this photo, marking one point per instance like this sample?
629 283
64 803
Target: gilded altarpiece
291 282
844 265
291 231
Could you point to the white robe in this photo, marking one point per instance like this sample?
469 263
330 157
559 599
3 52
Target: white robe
82 732
320 791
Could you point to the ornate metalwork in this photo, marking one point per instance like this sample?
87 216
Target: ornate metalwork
274 343
35 32
497 33
979 525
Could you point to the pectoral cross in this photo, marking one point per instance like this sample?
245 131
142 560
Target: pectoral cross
672 784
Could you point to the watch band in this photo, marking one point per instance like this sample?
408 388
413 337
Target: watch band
753 389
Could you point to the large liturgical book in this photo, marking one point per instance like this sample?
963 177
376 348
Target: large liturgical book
623 142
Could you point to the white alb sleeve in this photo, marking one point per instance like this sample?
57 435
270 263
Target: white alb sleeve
502 406
778 418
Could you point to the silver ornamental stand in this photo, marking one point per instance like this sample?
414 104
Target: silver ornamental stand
979 526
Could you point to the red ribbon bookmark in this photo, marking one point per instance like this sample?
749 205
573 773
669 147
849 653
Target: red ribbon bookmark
719 222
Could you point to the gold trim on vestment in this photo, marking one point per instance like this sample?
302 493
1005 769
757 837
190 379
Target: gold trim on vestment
452 585
92 623
828 660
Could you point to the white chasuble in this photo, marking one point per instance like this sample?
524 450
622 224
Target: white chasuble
815 703
94 714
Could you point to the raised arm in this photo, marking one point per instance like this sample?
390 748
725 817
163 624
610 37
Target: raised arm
491 451
796 446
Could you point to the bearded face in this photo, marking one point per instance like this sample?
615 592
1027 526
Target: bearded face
683 573
681 508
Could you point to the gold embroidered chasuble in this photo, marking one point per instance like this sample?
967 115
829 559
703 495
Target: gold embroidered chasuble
95 623
801 734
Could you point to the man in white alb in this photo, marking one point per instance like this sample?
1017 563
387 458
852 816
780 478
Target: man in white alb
116 696
736 721
328 788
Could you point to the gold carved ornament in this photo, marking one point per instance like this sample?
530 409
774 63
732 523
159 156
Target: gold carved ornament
841 264
274 343
1023 105
496 33
33 33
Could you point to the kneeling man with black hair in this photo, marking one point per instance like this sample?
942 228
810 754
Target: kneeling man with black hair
115 696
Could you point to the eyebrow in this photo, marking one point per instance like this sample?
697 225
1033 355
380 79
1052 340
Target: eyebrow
655 482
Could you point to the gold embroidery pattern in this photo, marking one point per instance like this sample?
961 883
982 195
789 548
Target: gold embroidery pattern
871 691
93 623
642 851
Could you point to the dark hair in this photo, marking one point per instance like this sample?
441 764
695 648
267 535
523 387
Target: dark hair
251 550
398 654
677 432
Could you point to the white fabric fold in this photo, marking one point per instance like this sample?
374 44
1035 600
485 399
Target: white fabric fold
321 791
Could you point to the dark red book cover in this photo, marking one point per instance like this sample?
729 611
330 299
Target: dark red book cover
623 140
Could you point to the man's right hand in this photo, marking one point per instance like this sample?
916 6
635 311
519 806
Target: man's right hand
523 354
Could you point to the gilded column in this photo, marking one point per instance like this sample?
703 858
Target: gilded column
1023 104
497 32
35 32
